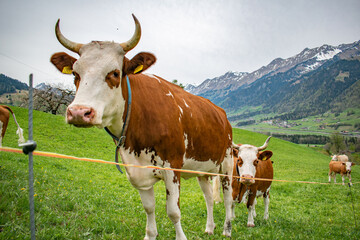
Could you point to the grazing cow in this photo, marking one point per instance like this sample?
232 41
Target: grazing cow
167 126
344 168
340 158
4 120
250 161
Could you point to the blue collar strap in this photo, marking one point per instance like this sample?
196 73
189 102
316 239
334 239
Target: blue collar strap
120 141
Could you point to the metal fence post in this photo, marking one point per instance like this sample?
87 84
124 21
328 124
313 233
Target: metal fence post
28 148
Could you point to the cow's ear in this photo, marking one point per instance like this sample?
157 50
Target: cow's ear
63 62
265 155
139 63
235 152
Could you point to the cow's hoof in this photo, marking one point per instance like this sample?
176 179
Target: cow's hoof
251 225
210 230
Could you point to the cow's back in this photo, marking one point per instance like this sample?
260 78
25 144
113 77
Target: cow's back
343 158
337 167
170 121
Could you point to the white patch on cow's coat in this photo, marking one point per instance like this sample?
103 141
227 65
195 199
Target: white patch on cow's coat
181 113
170 94
153 76
186 104
181 110
142 178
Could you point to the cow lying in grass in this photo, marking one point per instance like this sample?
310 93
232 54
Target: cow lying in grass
249 162
4 120
343 168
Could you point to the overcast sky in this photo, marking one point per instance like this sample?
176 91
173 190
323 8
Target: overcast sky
192 39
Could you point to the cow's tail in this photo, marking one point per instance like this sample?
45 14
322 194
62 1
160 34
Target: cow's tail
216 190
19 131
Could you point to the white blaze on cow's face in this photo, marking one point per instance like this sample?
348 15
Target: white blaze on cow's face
348 166
103 100
248 157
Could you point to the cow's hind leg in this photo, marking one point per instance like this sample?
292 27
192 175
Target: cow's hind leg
172 184
206 187
227 192
148 201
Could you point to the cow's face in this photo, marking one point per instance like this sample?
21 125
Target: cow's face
248 159
98 74
334 158
348 166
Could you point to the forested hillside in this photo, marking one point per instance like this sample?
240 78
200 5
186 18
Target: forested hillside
9 85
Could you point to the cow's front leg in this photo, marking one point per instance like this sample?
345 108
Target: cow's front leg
208 195
266 206
349 176
251 209
148 201
172 184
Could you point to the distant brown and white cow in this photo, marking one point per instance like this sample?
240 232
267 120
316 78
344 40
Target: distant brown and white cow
168 126
342 168
340 158
250 162
4 120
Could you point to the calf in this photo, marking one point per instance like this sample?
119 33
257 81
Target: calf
250 162
344 168
4 120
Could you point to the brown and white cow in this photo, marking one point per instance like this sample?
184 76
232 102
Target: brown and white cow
340 158
4 120
168 127
342 168
250 162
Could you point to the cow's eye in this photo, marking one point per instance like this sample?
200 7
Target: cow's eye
116 74
256 162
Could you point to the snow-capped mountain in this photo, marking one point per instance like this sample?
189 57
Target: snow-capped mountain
307 60
313 81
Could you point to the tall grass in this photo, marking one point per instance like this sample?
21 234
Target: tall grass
82 200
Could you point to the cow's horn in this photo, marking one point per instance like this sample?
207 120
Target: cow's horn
265 144
72 46
127 46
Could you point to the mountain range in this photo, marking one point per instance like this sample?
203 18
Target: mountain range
312 82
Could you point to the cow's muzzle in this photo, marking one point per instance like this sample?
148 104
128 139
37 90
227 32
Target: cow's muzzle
80 116
247 179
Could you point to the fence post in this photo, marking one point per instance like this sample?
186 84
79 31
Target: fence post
28 148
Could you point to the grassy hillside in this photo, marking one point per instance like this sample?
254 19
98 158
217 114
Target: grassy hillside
81 200
346 121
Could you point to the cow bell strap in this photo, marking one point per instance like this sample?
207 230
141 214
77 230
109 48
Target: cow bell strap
120 141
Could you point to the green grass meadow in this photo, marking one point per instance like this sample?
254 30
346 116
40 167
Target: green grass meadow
83 200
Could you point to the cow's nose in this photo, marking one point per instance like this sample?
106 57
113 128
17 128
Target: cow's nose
247 179
80 115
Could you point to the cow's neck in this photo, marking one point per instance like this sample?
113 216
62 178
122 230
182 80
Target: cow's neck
118 126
